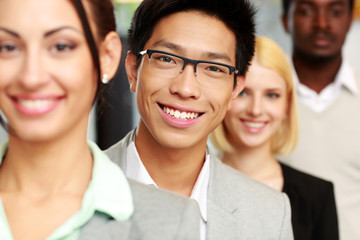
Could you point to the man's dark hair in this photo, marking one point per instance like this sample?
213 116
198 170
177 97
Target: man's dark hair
286 5
237 15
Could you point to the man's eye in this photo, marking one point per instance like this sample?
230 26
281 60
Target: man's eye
215 69
165 59
337 12
305 11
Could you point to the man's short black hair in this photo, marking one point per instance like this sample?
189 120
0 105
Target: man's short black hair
237 15
286 5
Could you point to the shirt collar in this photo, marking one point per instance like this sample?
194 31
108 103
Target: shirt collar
112 194
136 170
344 78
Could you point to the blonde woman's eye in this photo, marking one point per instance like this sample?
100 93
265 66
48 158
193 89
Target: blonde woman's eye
273 95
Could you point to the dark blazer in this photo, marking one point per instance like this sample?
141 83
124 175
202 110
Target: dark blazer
312 205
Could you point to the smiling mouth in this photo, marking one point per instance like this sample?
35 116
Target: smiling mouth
254 124
178 114
33 104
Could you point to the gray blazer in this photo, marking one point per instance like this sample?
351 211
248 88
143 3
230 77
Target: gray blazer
158 215
238 206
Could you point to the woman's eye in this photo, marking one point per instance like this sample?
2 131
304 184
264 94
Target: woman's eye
61 47
7 48
242 94
273 95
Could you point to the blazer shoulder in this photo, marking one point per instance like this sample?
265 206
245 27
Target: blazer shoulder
237 180
248 203
301 180
117 152
164 215
242 191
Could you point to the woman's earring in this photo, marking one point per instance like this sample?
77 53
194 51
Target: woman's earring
105 78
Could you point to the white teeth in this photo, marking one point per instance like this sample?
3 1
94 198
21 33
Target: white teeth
254 124
177 114
180 115
35 103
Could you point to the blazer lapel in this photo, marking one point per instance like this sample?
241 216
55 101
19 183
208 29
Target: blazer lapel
220 207
220 223
117 152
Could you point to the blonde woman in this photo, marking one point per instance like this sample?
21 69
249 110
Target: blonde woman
262 124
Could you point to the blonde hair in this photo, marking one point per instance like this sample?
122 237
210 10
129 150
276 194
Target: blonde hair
270 55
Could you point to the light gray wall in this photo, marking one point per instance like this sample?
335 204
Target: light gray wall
3 135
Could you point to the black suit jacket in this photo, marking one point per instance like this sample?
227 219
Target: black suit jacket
312 205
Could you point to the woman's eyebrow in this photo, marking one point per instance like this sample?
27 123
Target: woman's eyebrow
47 34
51 32
10 32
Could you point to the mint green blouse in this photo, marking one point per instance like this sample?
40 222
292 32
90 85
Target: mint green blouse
108 193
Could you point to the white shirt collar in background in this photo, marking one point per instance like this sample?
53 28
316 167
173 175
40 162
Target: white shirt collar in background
345 79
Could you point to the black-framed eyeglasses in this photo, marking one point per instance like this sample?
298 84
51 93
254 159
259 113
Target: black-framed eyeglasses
170 65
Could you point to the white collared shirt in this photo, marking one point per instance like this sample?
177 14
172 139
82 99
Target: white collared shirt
344 79
136 170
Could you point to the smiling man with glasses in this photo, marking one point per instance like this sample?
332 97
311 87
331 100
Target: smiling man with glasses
187 61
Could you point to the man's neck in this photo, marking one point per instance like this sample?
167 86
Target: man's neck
172 169
316 75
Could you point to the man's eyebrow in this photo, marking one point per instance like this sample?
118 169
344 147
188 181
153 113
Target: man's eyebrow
305 2
169 45
214 55
10 32
51 32
337 3
181 50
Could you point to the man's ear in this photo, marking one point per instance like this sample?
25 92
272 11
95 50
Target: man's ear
110 54
285 22
131 70
240 84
